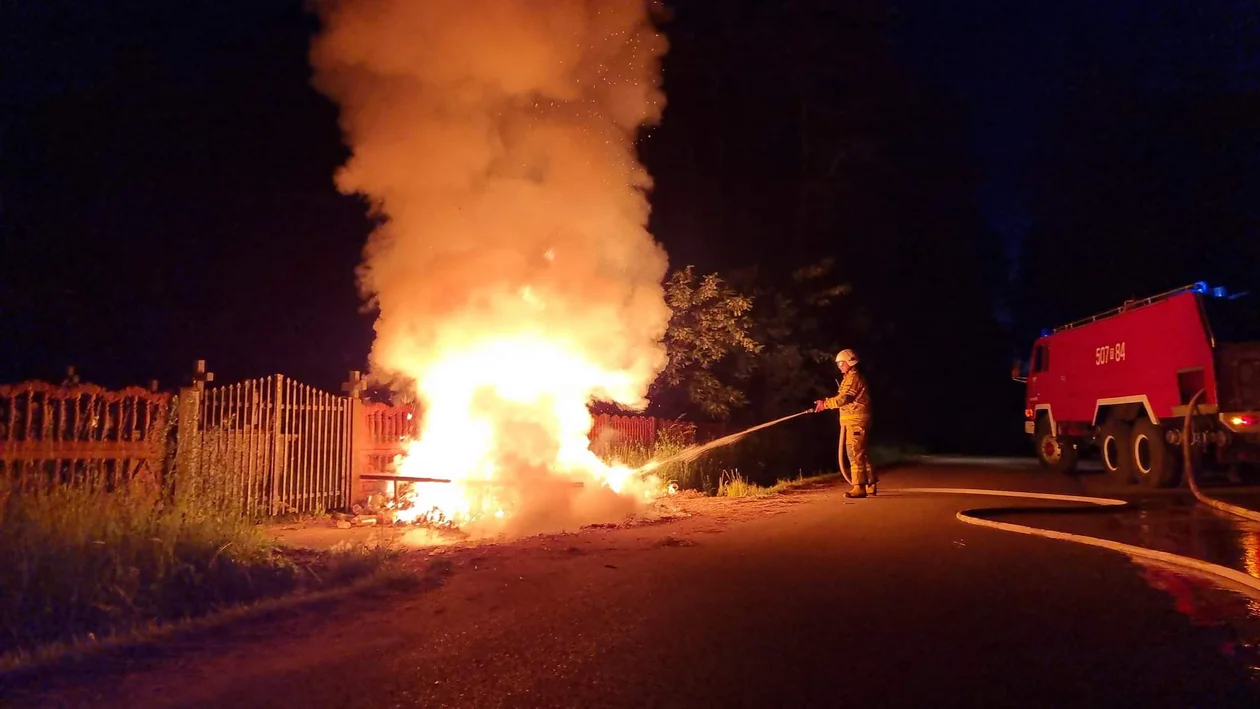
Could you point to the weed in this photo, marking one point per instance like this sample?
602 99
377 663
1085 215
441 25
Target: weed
732 484
698 474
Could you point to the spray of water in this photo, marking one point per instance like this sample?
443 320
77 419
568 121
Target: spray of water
692 452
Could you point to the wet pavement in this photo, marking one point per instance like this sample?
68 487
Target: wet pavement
1171 521
1179 525
1234 618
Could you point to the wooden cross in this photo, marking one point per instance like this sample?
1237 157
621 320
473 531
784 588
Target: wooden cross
354 385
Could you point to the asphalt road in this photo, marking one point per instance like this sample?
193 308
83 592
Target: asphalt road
808 601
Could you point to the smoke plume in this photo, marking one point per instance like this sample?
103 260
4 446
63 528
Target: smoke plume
511 270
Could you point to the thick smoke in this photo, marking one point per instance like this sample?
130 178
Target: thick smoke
495 138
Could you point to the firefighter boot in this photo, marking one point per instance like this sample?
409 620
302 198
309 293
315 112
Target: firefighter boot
872 489
857 491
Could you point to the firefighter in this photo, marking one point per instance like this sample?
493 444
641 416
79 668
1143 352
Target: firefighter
854 402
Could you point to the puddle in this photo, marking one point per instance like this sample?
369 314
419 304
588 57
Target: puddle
1190 530
1231 617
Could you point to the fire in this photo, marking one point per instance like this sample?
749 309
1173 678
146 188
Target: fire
506 420
511 270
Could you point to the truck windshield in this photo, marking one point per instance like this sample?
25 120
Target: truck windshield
1234 320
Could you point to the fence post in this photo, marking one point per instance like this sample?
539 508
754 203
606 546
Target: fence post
188 420
359 437
277 445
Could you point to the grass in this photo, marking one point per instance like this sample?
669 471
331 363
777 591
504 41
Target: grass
100 558
718 472
26 662
802 480
732 484
699 474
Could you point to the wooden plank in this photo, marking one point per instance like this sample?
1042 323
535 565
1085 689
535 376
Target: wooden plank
386 477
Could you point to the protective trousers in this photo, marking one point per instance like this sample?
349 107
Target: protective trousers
853 438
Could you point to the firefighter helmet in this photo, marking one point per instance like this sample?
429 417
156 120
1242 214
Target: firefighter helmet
847 356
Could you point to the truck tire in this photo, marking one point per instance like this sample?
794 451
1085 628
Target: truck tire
1154 461
1115 448
1055 453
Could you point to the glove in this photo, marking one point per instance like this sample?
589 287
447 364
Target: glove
820 406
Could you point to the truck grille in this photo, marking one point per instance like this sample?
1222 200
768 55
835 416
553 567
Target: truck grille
1239 377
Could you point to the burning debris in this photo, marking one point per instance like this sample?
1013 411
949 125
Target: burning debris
512 273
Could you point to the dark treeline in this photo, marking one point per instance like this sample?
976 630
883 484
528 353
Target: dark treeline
835 146
1142 189
832 148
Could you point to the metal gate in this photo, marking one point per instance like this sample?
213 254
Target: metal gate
276 446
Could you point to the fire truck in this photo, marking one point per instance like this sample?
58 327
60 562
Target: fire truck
1119 384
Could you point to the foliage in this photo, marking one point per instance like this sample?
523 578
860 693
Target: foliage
709 326
744 340
697 474
732 484
796 322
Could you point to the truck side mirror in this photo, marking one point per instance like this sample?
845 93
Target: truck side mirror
1018 371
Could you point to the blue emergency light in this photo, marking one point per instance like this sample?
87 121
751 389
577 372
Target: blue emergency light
1218 292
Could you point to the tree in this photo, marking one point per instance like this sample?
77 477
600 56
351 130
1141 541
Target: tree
709 327
795 320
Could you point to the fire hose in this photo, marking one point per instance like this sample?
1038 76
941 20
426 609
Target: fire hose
1188 465
844 444
1231 578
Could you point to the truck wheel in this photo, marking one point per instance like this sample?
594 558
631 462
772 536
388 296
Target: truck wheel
1115 447
1055 453
1154 461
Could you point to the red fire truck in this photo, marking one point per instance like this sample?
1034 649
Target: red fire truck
1119 384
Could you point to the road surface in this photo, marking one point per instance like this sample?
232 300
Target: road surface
804 600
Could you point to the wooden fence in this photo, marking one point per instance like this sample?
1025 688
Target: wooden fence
279 445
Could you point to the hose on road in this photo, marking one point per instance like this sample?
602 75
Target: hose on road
1233 578
979 517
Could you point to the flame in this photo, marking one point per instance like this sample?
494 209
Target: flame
506 416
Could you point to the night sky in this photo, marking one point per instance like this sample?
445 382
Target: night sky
167 169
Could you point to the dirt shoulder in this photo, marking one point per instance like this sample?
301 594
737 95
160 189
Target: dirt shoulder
459 580
334 532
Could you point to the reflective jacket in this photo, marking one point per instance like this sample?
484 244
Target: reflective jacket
853 400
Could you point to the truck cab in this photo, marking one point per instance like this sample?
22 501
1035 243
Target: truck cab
1121 384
